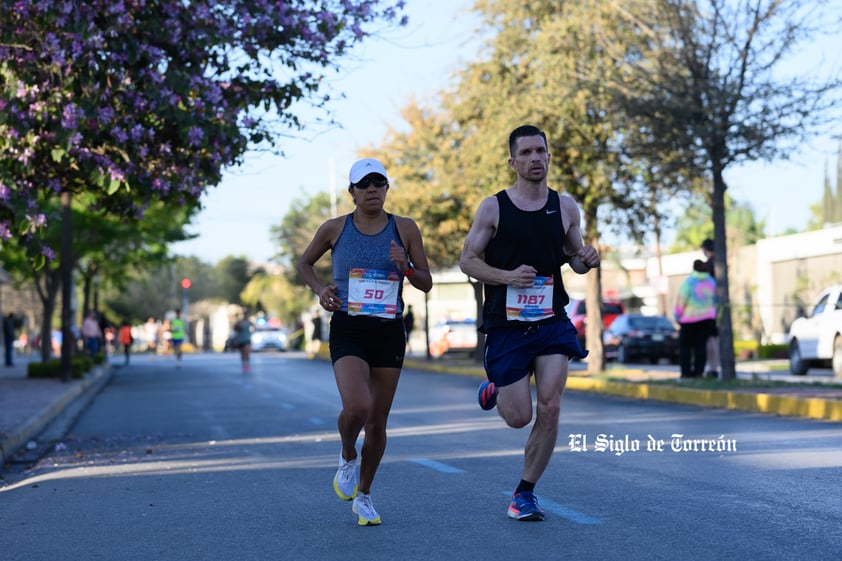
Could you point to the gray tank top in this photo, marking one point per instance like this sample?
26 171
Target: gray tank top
353 249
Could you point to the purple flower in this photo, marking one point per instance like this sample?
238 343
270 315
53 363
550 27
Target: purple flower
116 174
195 136
39 221
68 117
25 155
119 135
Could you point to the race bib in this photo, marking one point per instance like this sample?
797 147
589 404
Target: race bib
373 293
530 304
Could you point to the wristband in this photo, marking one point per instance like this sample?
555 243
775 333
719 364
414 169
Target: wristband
409 272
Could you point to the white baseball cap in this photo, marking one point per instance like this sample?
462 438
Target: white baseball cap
364 167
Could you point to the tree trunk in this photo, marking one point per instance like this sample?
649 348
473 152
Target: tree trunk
46 282
593 303
66 271
49 306
723 301
86 295
656 228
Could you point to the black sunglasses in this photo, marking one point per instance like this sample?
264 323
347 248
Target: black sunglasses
378 182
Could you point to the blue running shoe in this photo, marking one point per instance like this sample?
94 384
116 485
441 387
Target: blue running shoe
525 507
487 395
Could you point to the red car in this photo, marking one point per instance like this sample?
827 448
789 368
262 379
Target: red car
578 314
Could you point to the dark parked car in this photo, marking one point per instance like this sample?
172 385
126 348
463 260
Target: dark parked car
635 337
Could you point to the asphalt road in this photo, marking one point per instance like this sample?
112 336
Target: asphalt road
205 463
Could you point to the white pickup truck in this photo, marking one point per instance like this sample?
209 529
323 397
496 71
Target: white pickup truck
816 340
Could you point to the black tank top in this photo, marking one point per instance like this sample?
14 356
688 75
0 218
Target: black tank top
525 238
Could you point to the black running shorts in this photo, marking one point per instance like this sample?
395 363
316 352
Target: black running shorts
380 342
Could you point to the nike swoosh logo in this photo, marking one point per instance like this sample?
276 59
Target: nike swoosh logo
550 211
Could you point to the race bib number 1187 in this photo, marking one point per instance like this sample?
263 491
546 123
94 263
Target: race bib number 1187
530 304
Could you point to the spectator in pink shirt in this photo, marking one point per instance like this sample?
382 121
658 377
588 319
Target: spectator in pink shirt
695 312
92 333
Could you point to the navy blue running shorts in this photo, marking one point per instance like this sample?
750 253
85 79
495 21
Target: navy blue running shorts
510 351
380 342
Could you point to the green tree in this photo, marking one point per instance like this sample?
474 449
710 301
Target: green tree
425 174
541 65
232 274
829 209
117 248
708 84
298 226
155 288
695 224
47 278
275 295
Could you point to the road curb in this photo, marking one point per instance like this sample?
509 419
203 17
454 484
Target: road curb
811 408
87 386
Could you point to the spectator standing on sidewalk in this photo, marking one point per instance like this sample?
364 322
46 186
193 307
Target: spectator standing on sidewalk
92 333
409 324
712 365
9 327
316 335
695 312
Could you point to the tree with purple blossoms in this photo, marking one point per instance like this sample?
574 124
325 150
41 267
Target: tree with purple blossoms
136 101
150 100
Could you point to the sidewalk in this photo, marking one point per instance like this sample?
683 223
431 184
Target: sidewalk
29 405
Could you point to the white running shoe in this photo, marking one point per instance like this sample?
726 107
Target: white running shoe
364 509
345 480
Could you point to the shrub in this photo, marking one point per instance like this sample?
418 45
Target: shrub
773 351
744 350
79 365
86 361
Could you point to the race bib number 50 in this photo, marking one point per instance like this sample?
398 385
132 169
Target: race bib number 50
530 304
373 293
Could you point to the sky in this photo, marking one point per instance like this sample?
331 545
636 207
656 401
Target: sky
419 61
